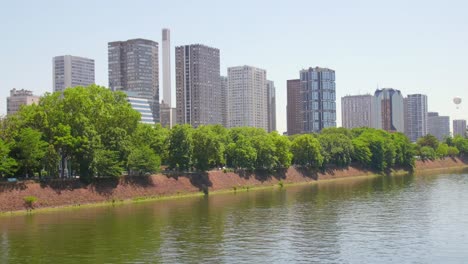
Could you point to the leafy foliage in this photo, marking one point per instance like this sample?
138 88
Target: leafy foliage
307 151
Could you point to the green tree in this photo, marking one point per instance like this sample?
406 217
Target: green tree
8 165
241 154
452 151
307 151
106 163
180 147
265 149
442 150
362 153
404 150
337 148
208 148
142 160
282 150
428 141
461 144
427 153
29 150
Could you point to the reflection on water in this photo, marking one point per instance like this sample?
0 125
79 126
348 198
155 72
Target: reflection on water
405 219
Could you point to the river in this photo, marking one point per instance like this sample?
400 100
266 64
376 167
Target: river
401 219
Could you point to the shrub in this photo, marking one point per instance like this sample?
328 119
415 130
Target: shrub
29 201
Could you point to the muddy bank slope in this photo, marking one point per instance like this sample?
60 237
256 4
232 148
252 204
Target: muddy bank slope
68 193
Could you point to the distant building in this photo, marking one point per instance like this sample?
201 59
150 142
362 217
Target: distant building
134 67
198 92
247 97
459 127
357 111
415 116
167 115
142 105
438 126
271 106
224 100
389 110
167 110
318 99
18 98
294 107
70 71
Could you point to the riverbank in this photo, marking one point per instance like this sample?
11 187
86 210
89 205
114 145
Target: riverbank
133 189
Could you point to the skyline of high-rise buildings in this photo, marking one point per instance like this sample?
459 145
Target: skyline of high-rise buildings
134 67
198 85
323 112
70 71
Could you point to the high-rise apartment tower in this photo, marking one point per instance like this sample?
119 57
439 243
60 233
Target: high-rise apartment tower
70 71
415 116
318 98
134 67
198 93
247 97
357 110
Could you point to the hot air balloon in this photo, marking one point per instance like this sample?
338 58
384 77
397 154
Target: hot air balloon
457 100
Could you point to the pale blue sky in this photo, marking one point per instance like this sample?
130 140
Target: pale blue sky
413 46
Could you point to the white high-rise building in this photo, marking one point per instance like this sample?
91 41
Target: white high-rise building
247 97
415 116
357 111
70 71
168 113
166 66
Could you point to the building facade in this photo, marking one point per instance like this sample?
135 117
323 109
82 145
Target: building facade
198 93
459 127
415 116
134 67
143 106
18 98
167 116
224 101
70 71
389 110
357 111
294 107
271 105
318 99
247 97
438 126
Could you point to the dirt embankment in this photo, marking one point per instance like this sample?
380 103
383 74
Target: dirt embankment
64 193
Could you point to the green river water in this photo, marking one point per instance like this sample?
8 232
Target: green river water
401 219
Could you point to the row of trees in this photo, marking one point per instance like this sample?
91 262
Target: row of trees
99 134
